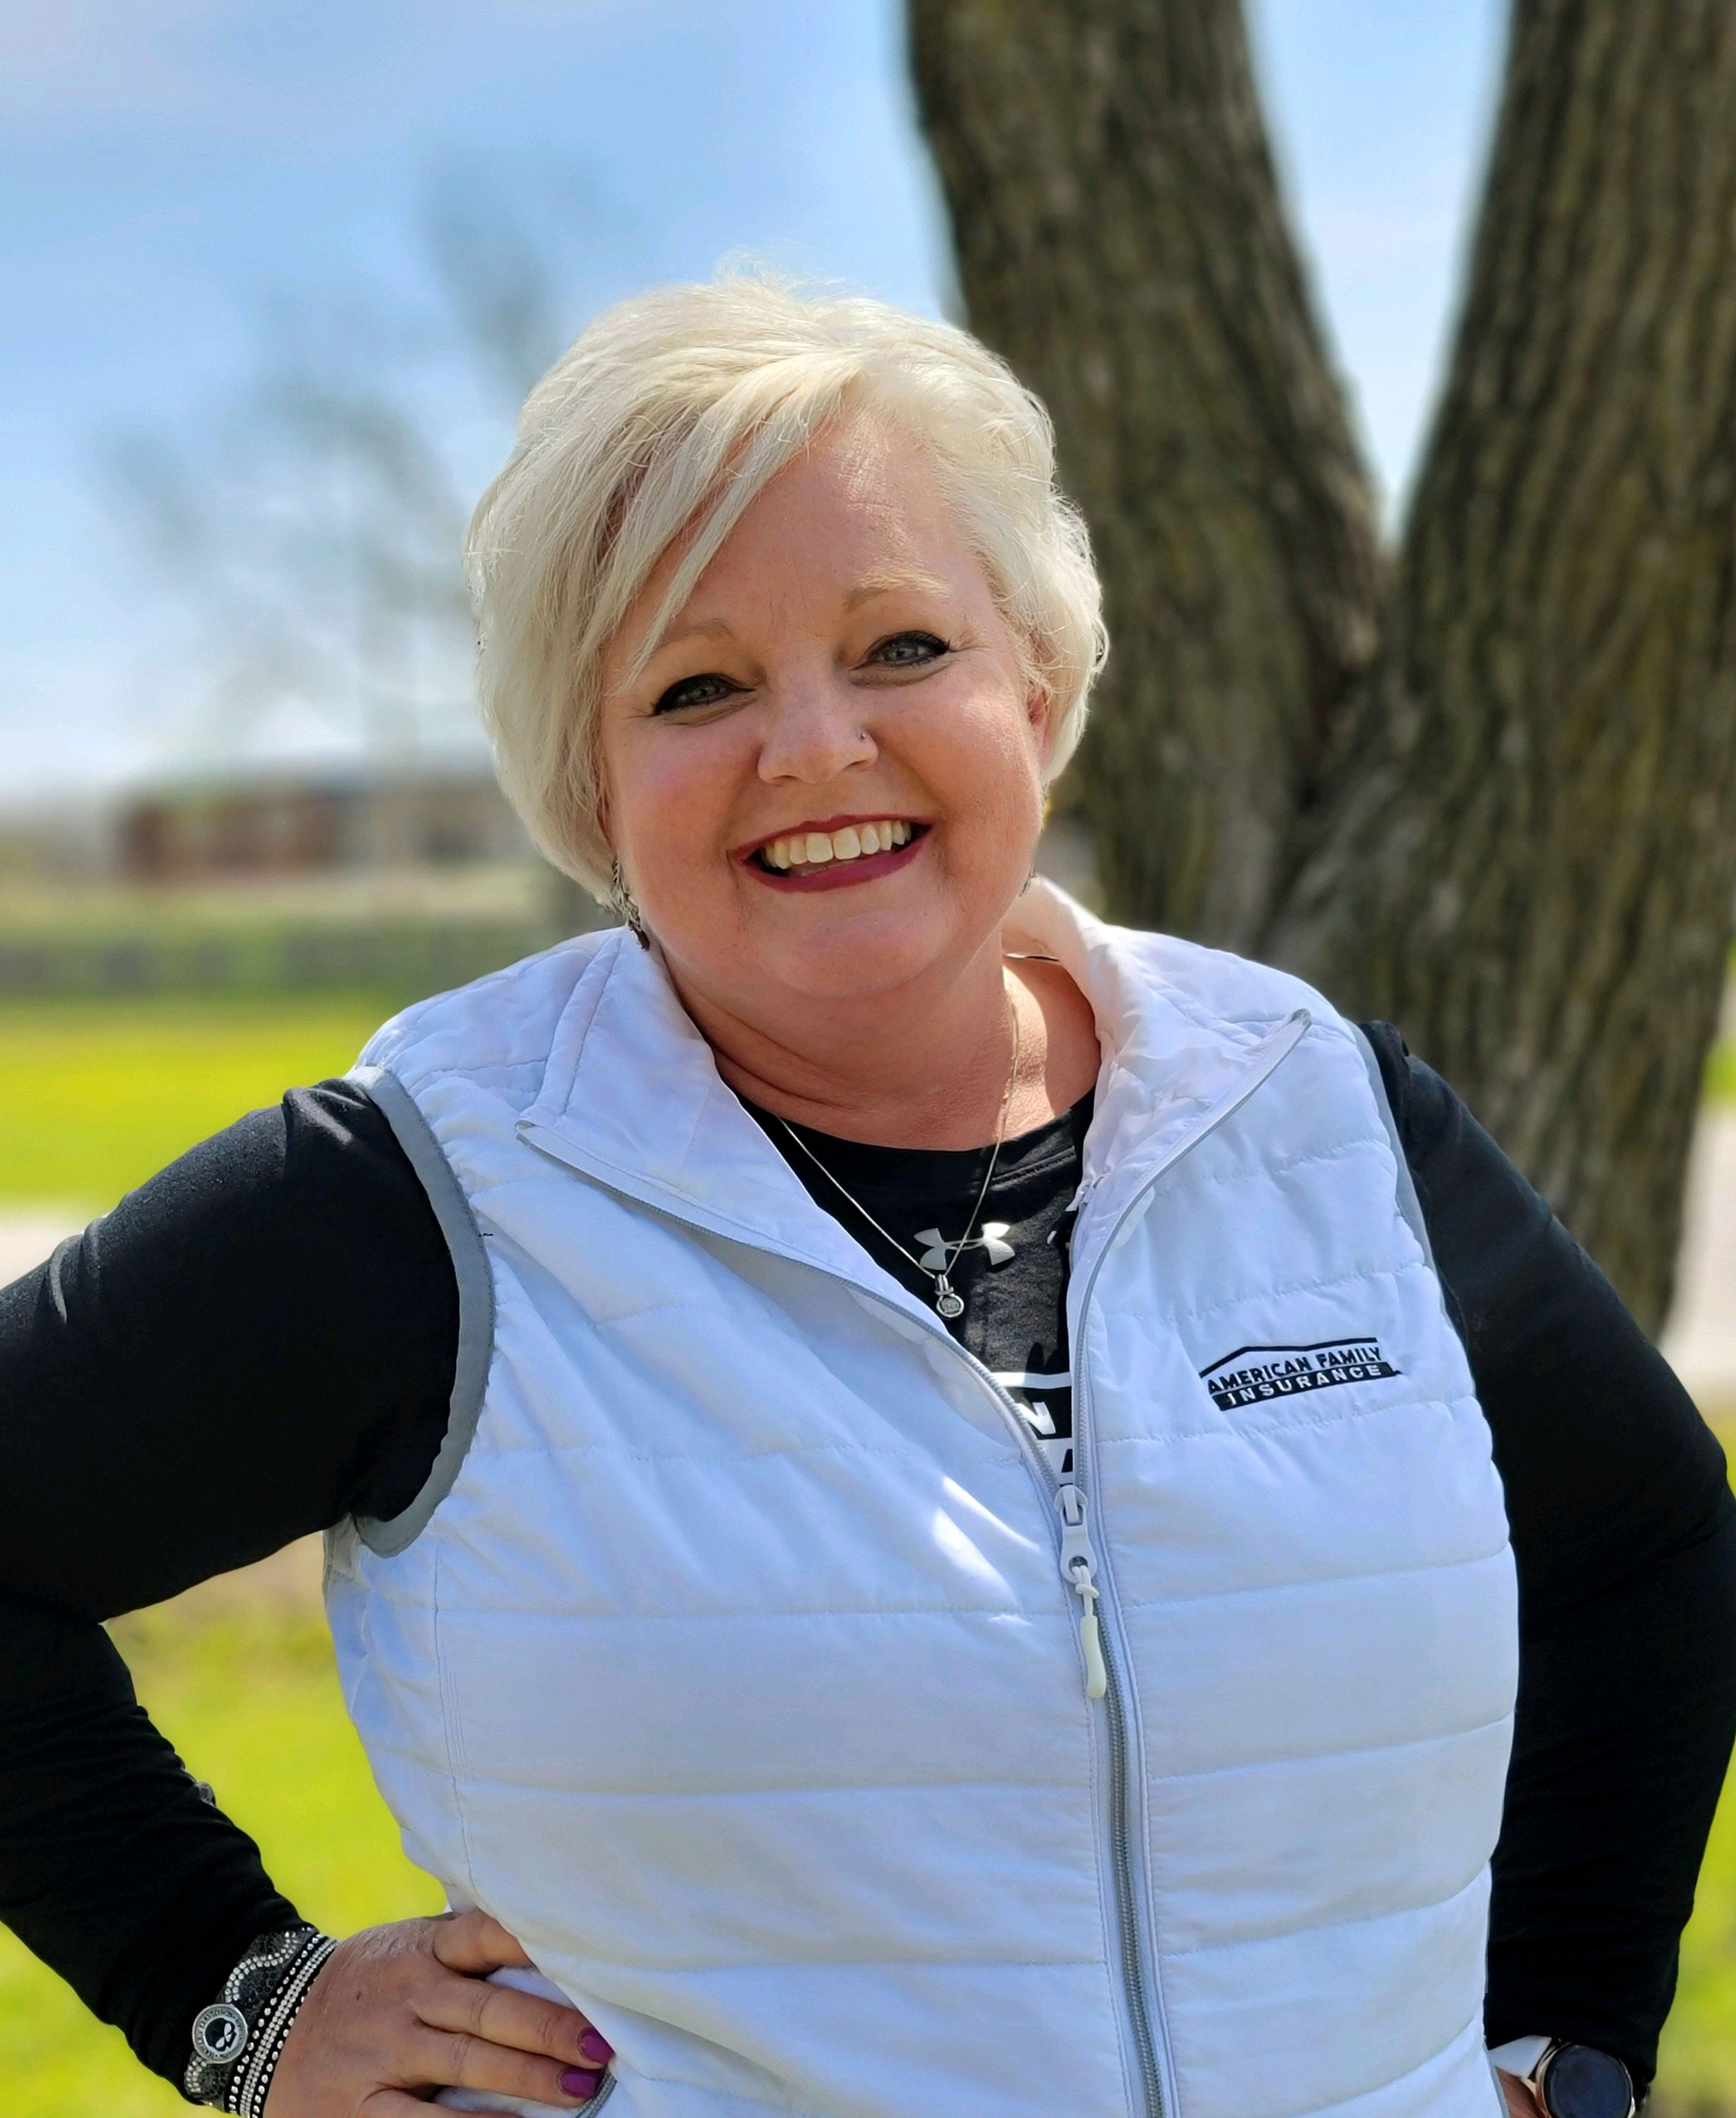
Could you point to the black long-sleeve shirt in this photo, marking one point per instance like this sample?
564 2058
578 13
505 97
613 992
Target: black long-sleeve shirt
261 1340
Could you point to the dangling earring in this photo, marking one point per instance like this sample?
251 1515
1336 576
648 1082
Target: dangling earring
1048 807
621 898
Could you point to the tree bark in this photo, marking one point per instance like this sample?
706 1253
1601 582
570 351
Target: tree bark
1120 238
1528 858
1493 797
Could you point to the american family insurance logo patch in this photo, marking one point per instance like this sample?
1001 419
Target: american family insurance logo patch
1252 1374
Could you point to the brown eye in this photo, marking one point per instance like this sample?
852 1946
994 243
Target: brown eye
909 651
709 689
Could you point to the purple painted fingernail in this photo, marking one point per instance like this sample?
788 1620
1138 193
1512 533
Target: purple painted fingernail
594 2046
576 2082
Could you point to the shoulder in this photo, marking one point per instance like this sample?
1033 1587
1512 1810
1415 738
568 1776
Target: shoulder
498 1029
1443 1141
1216 983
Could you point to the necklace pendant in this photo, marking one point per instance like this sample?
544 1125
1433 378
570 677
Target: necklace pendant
947 1300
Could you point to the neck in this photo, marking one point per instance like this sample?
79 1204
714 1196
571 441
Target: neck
925 1066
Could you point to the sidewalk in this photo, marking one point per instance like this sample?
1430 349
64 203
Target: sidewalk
28 1233
1700 1338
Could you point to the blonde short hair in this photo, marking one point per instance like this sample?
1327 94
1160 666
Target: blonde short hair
669 414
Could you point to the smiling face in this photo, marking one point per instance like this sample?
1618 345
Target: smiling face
826 781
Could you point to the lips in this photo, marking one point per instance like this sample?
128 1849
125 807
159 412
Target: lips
809 848
835 853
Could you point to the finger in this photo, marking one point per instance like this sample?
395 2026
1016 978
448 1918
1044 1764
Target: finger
466 2062
502 2015
472 1942
1522 2102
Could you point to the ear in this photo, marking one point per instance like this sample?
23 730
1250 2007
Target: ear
1040 712
605 820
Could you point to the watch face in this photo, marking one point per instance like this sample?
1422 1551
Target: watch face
1580 2083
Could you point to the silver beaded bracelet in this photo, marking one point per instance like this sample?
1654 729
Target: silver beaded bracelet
239 2038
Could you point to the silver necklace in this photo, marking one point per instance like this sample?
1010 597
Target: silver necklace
947 1300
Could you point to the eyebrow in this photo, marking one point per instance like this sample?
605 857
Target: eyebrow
890 580
709 628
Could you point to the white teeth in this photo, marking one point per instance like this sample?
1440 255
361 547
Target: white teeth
817 849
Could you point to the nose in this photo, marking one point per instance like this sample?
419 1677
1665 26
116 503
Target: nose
814 733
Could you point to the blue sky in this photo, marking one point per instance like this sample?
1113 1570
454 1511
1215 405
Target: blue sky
168 166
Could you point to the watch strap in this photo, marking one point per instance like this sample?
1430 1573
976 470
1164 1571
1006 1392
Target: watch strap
1520 2056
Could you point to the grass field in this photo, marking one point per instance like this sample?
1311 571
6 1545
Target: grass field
96 1095
250 1699
1696 2070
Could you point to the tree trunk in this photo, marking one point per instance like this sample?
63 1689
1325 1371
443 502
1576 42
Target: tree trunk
1120 238
1494 802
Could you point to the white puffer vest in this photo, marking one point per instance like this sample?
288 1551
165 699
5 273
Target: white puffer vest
729 1658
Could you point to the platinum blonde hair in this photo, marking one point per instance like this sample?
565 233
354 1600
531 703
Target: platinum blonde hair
667 416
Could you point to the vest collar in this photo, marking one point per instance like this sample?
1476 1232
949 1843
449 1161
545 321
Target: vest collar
632 1096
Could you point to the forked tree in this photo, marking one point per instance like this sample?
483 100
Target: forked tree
1482 785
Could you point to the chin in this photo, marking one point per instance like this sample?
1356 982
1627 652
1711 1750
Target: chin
843 958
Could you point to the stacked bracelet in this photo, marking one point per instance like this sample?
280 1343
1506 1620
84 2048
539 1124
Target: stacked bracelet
239 2038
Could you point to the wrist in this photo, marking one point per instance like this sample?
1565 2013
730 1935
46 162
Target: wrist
1518 2095
238 2038
1519 2056
1562 2080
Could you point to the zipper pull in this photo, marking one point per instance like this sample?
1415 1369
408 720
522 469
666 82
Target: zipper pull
1078 1570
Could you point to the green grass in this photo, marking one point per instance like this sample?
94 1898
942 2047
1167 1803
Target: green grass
1696 2069
251 1700
96 1094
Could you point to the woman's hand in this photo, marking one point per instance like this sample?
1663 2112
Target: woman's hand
1521 2102
397 2010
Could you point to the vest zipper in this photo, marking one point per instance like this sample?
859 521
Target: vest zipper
1102 1681
1079 1571
1080 1567
1099 1646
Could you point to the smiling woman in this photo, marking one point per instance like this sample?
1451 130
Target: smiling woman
843 638
635 459
909 1477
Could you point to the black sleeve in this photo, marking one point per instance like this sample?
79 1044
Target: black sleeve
1625 1539
256 1342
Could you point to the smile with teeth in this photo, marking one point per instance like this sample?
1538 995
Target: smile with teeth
801 851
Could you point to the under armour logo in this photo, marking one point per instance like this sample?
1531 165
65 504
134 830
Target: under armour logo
940 1252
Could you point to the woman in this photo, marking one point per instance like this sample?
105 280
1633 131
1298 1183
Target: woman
909 1475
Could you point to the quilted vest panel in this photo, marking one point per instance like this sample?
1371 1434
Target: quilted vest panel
736 1672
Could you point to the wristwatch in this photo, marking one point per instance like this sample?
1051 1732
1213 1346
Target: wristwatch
1569 2080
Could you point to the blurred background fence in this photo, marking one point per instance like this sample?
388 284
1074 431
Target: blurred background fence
274 881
